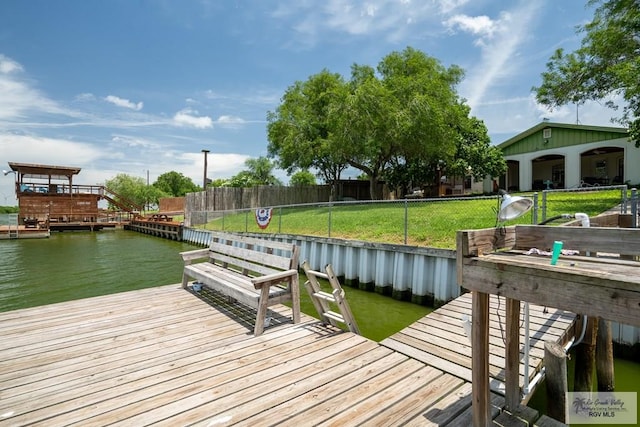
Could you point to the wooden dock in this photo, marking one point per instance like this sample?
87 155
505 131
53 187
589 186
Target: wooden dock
440 340
168 356
10 232
165 228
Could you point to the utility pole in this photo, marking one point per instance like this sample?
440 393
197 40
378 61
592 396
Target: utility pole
204 180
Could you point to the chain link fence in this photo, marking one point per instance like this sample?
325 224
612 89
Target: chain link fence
419 222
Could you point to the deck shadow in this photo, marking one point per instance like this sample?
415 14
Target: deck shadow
241 313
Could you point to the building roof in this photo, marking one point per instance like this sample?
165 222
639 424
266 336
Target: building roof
552 125
44 171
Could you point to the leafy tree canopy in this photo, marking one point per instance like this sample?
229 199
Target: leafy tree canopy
302 178
134 189
607 63
175 184
404 114
220 182
259 172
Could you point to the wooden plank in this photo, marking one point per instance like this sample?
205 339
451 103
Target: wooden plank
337 404
157 392
512 355
341 386
480 360
479 242
280 403
89 385
379 401
242 239
422 401
594 239
455 333
455 351
446 409
610 296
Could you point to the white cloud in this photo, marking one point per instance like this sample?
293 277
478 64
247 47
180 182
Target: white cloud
119 141
392 20
230 121
477 25
85 97
8 65
499 41
125 103
447 6
190 118
19 99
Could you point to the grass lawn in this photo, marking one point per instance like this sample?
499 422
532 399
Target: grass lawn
431 223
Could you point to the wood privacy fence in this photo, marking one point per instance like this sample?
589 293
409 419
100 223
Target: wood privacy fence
231 198
171 204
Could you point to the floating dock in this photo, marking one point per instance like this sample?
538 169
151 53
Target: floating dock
10 232
174 357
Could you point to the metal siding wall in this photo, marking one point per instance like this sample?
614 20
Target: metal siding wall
352 261
384 268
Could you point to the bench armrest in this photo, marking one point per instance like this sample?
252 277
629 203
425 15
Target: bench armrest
272 278
196 254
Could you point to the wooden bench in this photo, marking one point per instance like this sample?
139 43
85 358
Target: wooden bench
255 272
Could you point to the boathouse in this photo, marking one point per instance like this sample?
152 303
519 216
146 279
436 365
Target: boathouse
49 199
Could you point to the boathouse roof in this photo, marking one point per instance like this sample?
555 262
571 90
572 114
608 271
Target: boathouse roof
44 171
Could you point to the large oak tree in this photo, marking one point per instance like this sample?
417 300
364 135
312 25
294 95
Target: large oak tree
404 115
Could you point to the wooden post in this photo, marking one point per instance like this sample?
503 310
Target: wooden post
480 359
604 356
585 357
512 355
555 365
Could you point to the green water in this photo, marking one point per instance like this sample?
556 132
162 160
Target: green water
74 265
627 378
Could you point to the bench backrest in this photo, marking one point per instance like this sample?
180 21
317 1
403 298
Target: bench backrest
252 256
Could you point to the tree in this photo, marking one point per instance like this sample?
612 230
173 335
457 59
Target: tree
175 184
220 182
404 114
259 172
301 129
475 155
134 189
607 63
302 178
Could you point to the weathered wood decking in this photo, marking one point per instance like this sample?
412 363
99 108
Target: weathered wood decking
439 339
164 355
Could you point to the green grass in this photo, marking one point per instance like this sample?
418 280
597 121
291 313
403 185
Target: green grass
429 223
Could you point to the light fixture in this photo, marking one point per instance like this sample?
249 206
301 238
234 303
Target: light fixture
6 172
513 207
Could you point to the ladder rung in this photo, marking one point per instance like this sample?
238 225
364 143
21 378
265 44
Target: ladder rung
319 274
325 296
333 315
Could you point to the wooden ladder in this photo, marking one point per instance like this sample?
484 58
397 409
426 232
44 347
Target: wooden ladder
322 299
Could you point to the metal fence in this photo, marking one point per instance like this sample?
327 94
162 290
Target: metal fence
419 222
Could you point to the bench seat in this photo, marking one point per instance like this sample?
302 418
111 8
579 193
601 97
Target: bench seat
255 272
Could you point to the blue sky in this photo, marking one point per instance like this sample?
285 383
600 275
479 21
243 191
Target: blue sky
142 86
